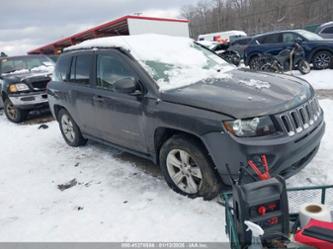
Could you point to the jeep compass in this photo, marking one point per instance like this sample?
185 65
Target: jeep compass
180 105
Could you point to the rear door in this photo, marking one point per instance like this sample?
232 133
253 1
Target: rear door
119 116
81 91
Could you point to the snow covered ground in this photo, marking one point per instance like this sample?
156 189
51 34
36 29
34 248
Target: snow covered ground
319 79
114 200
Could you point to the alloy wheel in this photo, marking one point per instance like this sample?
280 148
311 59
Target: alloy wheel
322 60
68 128
11 111
184 171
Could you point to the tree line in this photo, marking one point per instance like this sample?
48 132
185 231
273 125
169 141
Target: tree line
255 16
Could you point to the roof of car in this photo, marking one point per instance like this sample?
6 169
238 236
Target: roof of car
276 32
326 24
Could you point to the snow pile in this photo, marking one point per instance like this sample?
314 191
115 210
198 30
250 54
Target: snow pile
43 68
258 84
46 68
172 61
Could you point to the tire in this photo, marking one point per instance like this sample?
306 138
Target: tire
322 60
196 167
69 129
304 67
254 63
13 113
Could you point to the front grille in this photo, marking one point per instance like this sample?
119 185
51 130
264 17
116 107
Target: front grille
299 119
39 85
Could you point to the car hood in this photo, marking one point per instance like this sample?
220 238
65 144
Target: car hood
26 77
244 94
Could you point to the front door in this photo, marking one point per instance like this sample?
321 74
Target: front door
119 116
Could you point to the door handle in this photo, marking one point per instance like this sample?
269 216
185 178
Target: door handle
98 99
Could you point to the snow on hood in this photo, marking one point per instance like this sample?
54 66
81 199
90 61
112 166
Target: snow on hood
46 68
172 62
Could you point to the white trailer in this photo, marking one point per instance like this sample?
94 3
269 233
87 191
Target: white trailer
174 27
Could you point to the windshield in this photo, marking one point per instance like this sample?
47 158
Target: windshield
172 75
309 35
26 64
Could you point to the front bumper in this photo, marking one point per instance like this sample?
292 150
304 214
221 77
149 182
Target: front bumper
286 155
29 100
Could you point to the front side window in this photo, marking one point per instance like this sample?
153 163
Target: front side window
291 37
111 69
81 68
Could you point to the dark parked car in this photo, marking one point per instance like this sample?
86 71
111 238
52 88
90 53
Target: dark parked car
325 30
183 107
318 51
23 81
240 45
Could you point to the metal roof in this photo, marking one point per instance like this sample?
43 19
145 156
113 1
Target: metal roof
112 28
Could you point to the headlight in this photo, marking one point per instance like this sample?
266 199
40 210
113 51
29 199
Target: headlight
13 88
250 127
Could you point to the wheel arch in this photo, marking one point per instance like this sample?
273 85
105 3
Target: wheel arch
56 110
3 96
314 52
251 56
162 134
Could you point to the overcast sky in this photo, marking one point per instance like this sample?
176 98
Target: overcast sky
26 24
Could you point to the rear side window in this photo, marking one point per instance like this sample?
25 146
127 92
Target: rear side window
110 69
62 68
81 68
328 30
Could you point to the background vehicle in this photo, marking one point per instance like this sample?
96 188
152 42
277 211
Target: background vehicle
286 60
229 55
222 37
54 58
318 51
240 45
325 30
23 81
183 107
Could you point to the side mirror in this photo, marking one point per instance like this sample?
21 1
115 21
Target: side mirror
126 85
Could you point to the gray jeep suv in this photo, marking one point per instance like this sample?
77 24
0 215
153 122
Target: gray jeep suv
172 101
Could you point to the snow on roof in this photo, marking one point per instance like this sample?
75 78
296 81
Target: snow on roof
172 61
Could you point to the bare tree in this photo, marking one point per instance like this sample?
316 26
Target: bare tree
255 16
